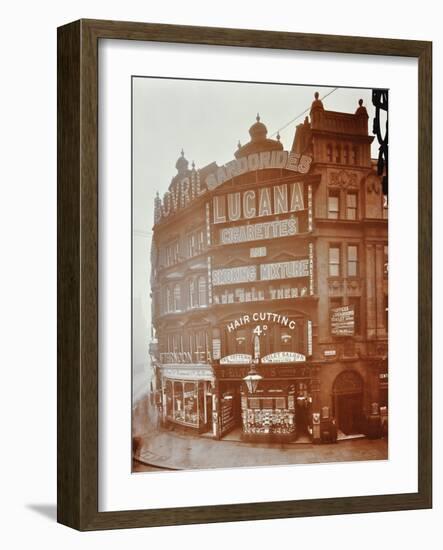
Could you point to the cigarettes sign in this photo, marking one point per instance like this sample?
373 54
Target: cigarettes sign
343 321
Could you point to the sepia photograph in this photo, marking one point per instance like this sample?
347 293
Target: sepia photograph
259 274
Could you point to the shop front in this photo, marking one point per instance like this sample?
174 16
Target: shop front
278 410
187 397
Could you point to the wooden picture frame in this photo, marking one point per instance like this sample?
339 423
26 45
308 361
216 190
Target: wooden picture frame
77 479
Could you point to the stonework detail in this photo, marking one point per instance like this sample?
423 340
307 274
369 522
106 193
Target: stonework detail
343 179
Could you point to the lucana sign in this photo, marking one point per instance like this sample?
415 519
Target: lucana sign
266 201
186 190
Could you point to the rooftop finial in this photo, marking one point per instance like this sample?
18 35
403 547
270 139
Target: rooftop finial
257 118
182 152
360 102
316 95
193 165
278 135
239 144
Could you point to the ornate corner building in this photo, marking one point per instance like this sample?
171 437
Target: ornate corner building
275 262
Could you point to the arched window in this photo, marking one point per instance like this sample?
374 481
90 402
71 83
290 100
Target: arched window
202 291
177 297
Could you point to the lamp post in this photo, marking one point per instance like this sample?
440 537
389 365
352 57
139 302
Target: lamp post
253 377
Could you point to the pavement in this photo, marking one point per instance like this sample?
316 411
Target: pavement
171 450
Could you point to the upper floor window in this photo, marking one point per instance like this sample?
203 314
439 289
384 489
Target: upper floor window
177 298
352 260
329 152
337 154
351 206
385 260
196 242
193 294
169 300
333 205
201 291
355 303
172 253
355 155
334 260
346 154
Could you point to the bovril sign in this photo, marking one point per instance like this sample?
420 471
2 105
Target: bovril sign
186 190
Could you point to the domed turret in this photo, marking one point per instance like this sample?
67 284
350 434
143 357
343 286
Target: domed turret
182 164
259 141
258 130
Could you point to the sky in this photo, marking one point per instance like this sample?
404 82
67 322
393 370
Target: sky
206 119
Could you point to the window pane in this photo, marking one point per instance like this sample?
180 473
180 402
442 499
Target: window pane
352 269
351 199
352 252
334 255
334 270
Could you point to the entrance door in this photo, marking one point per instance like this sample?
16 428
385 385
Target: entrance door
348 393
349 413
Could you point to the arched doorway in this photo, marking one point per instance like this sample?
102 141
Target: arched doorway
348 402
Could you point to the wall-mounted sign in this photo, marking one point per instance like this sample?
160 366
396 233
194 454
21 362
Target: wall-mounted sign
202 373
182 192
268 272
241 295
266 201
343 321
261 316
284 357
231 275
258 252
284 270
258 231
236 359
259 161
329 352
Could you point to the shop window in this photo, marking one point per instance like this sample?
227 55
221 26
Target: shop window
202 291
352 260
355 302
351 206
177 297
333 205
334 261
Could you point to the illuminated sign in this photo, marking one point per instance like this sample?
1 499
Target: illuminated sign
258 231
257 252
267 201
182 192
228 276
260 316
259 161
284 357
268 272
236 358
343 321
240 295
284 270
